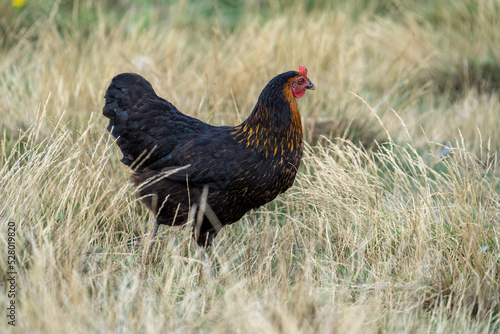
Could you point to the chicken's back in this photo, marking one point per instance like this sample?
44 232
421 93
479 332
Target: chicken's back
146 126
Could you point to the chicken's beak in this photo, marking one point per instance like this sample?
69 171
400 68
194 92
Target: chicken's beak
311 85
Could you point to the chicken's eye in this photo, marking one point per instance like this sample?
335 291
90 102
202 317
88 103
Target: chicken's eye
301 81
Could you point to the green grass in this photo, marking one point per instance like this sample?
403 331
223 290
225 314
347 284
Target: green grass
400 236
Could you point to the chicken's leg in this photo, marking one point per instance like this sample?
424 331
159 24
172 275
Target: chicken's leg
150 243
202 252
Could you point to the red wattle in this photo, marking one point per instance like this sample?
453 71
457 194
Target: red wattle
298 95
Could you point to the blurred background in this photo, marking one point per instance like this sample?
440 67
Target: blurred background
395 229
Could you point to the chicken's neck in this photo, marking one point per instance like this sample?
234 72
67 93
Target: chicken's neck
274 127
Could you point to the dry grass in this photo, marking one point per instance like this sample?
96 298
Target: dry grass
404 238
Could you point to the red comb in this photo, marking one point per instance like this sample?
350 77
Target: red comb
303 70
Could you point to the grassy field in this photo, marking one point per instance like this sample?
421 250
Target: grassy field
392 226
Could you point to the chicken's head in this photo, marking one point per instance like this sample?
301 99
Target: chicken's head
301 83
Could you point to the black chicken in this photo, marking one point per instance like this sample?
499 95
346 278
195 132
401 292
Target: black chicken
189 171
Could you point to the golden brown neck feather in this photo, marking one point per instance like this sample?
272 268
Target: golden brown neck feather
274 127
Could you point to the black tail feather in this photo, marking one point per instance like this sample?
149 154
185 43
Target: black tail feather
124 92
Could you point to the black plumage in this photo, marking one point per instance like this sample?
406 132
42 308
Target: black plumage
186 168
